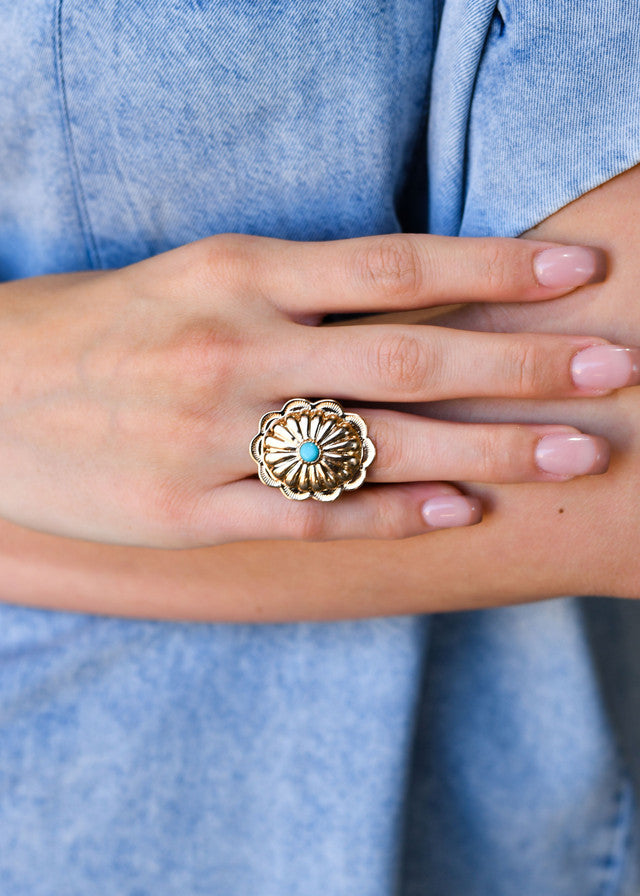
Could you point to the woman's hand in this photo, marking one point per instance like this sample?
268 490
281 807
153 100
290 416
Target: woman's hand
129 398
582 537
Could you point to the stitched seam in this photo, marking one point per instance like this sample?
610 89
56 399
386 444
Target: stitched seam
93 256
465 154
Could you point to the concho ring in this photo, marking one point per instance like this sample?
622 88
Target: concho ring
312 450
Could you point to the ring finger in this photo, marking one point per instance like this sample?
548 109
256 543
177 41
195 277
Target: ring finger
411 448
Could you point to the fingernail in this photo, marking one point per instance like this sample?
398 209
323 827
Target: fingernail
603 367
565 267
447 511
567 454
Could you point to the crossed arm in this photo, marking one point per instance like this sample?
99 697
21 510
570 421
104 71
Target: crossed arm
536 540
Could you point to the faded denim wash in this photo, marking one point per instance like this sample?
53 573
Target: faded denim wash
462 755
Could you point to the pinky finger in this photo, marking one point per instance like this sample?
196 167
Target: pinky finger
248 510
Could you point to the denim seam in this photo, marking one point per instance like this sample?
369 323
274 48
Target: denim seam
621 826
396 68
91 248
406 163
464 173
422 120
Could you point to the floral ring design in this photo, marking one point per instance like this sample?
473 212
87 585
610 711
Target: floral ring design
312 450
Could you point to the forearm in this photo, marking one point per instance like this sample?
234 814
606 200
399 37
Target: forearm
275 581
536 540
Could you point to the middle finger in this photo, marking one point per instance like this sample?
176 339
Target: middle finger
396 362
411 448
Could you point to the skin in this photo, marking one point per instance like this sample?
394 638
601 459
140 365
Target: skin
128 398
536 541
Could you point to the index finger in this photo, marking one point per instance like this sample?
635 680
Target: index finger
403 271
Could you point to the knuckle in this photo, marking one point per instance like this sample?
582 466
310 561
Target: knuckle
389 517
392 265
226 261
493 449
401 361
495 268
389 448
527 369
503 454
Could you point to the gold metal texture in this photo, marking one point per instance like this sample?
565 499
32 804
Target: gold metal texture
338 450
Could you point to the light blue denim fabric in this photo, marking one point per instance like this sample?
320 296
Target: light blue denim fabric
534 103
465 755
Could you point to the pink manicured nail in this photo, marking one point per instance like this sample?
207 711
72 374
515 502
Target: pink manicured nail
568 454
447 511
565 267
600 368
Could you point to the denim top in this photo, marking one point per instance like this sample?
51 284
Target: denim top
464 755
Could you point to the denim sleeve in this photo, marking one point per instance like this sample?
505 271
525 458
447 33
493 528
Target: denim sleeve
533 103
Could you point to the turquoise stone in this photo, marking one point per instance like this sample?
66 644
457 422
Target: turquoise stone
309 452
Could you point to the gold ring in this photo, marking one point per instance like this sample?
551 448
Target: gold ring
312 450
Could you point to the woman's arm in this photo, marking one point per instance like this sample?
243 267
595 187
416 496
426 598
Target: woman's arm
520 552
536 541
